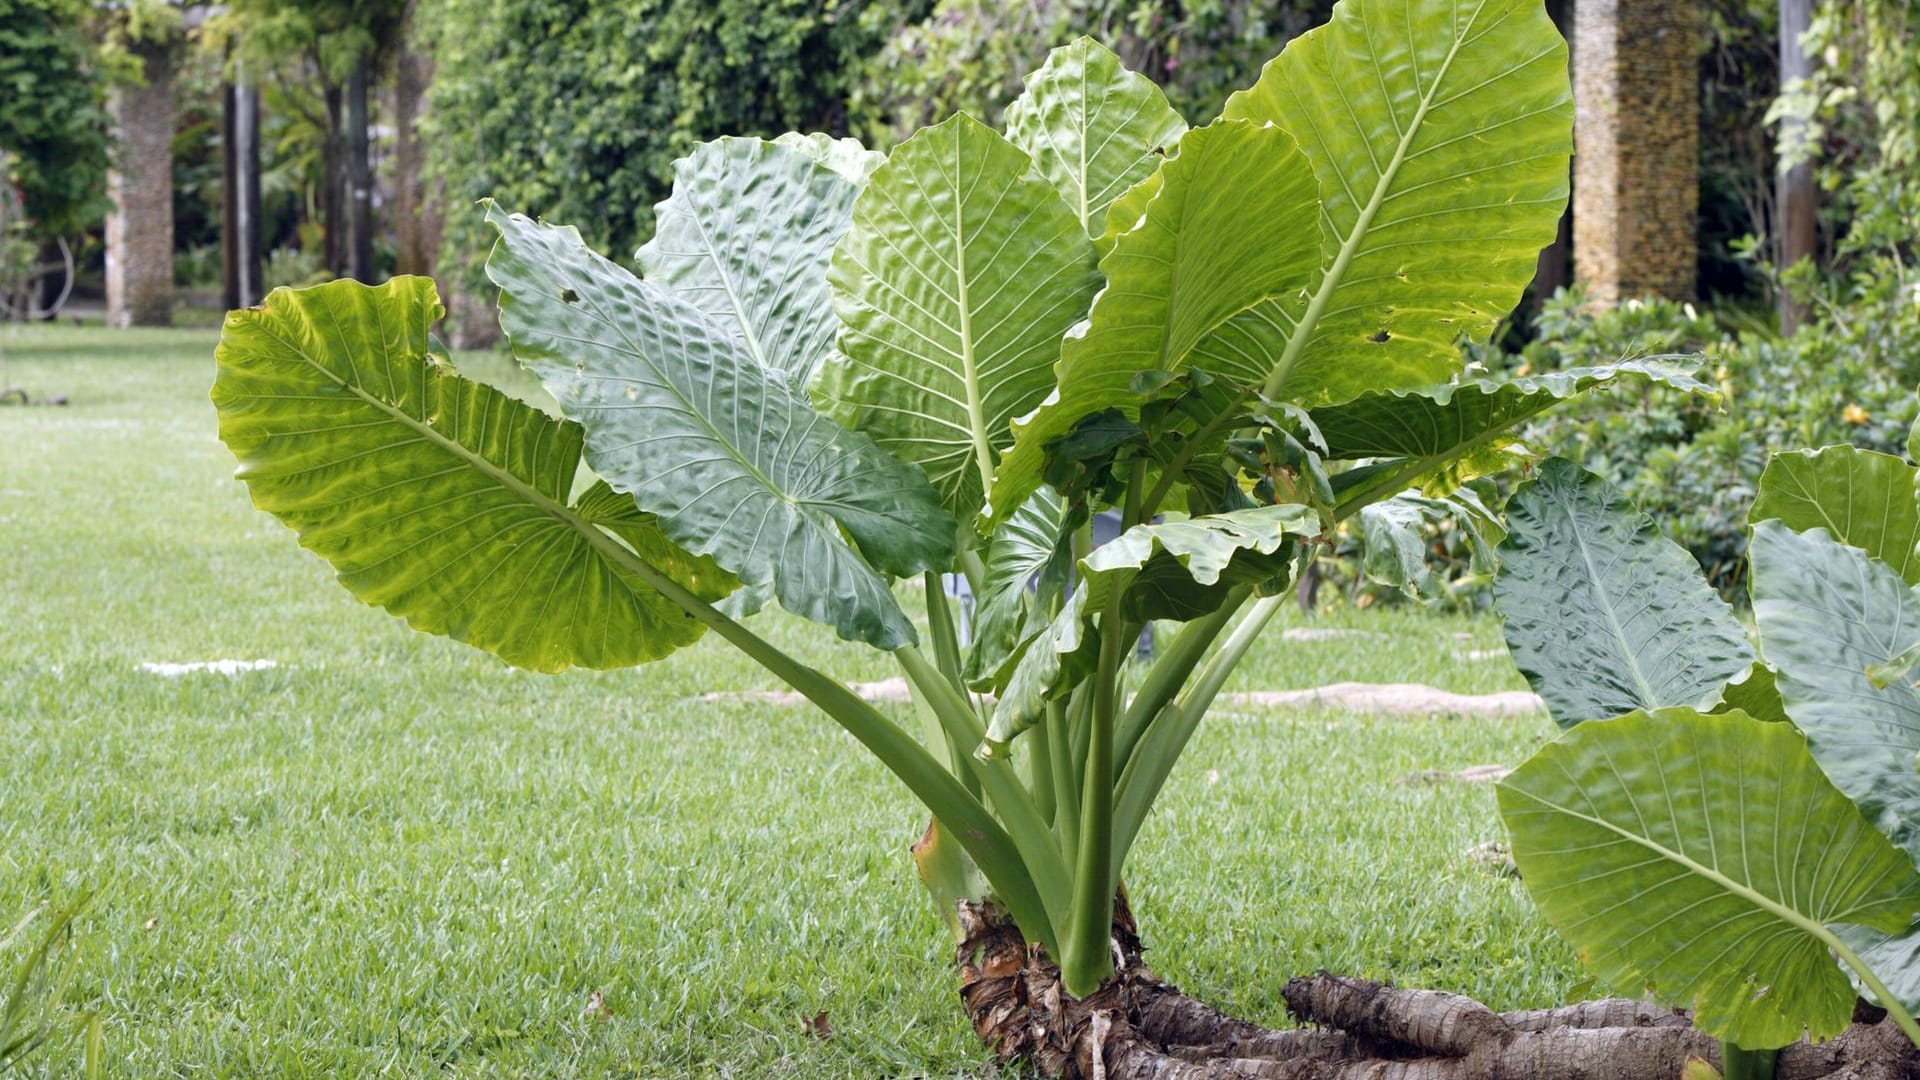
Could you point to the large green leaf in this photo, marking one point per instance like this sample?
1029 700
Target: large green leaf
441 500
1173 570
1827 614
1441 135
1463 426
1706 858
843 155
1028 560
1603 614
732 459
1213 276
1092 127
1862 498
745 237
960 273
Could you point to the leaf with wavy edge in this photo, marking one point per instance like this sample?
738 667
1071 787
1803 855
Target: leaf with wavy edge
1827 613
439 499
1172 570
1706 858
745 237
1862 498
734 462
1027 563
1603 614
844 155
1473 416
1213 277
1441 135
1093 128
960 273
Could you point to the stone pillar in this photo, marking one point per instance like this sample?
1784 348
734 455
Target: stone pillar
140 227
1636 134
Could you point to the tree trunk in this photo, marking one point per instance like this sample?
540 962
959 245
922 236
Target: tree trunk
1636 134
332 185
1136 1027
1794 193
240 197
359 177
140 226
416 214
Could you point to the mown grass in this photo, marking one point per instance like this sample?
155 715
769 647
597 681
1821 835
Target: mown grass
392 856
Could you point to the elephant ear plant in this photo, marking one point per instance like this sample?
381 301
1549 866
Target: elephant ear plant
831 370
1734 829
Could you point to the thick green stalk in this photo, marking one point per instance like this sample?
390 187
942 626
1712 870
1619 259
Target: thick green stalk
989 845
1040 776
1170 672
1066 778
1030 833
1088 960
946 649
1166 737
1739 1063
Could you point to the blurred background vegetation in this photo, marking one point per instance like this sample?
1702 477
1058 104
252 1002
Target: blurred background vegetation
575 110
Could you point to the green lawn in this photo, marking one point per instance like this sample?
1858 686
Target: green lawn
391 855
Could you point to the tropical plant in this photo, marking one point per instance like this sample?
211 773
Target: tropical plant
836 370
1756 819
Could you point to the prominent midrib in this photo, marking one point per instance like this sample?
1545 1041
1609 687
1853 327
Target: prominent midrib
976 408
1813 926
1303 331
747 334
526 492
1613 615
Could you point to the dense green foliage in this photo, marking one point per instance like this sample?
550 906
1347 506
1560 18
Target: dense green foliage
53 127
575 111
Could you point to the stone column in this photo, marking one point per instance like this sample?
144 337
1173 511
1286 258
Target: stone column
1636 165
140 227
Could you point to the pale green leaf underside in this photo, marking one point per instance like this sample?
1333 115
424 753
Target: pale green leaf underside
1027 561
1093 128
1172 570
953 286
1705 857
1862 498
843 155
1446 422
1603 614
745 237
1827 613
731 459
1441 134
1214 276
441 500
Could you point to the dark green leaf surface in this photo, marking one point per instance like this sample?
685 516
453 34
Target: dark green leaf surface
441 500
1862 498
734 462
1603 614
1706 858
1827 613
1472 417
1093 128
1440 134
959 274
745 238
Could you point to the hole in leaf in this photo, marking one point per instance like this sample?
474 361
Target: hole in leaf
568 296
1379 337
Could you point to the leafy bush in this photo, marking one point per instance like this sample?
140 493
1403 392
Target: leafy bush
53 128
575 110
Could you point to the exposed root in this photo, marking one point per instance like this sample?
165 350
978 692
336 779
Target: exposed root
1136 1027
